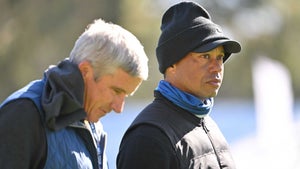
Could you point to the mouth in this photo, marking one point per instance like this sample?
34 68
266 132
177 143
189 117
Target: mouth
214 82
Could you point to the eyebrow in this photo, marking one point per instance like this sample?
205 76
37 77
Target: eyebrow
119 90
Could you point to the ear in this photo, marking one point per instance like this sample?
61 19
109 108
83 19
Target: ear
171 68
85 69
170 72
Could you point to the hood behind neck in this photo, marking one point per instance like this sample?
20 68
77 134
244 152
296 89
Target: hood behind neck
62 98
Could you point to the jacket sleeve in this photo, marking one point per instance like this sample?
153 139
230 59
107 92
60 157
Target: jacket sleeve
23 139
148 148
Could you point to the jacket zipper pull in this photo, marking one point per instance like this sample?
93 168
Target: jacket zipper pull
204 126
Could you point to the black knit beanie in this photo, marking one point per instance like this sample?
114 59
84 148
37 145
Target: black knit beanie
187 27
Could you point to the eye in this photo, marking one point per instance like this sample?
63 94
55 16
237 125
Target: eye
221 57
205 56
117 91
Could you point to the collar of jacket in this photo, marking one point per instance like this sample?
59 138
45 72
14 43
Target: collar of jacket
62 98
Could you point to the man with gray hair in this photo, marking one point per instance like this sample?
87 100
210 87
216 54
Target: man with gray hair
54 122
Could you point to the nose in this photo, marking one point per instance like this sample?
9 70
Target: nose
118 104
216 65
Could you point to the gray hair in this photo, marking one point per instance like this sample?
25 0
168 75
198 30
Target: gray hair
108 46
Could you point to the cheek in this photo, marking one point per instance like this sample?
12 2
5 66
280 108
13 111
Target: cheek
194 73
95 95
100 95
92 91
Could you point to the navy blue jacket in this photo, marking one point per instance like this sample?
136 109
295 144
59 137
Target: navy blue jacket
53 109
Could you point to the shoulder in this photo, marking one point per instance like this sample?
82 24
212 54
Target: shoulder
146 136
147 131
25 137
20 114
146 144
19 108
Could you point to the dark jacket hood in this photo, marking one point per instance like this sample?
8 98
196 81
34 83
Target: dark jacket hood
62 98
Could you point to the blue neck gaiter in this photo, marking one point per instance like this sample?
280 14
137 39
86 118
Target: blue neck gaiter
185 100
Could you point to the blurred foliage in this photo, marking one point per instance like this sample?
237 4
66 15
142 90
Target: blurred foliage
37 33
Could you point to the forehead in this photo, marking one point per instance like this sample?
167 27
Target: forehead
124 82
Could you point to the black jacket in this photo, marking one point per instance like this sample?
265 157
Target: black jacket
164 136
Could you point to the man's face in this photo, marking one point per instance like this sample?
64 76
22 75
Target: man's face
199 74
107 93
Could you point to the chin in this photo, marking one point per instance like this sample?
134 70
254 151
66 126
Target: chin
93 119
213 95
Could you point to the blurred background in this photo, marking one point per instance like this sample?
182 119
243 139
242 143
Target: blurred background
258 106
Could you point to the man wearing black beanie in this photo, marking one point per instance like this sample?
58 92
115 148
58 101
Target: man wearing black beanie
175 131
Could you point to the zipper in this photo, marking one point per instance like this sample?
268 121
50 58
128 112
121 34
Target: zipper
211 142
88 138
